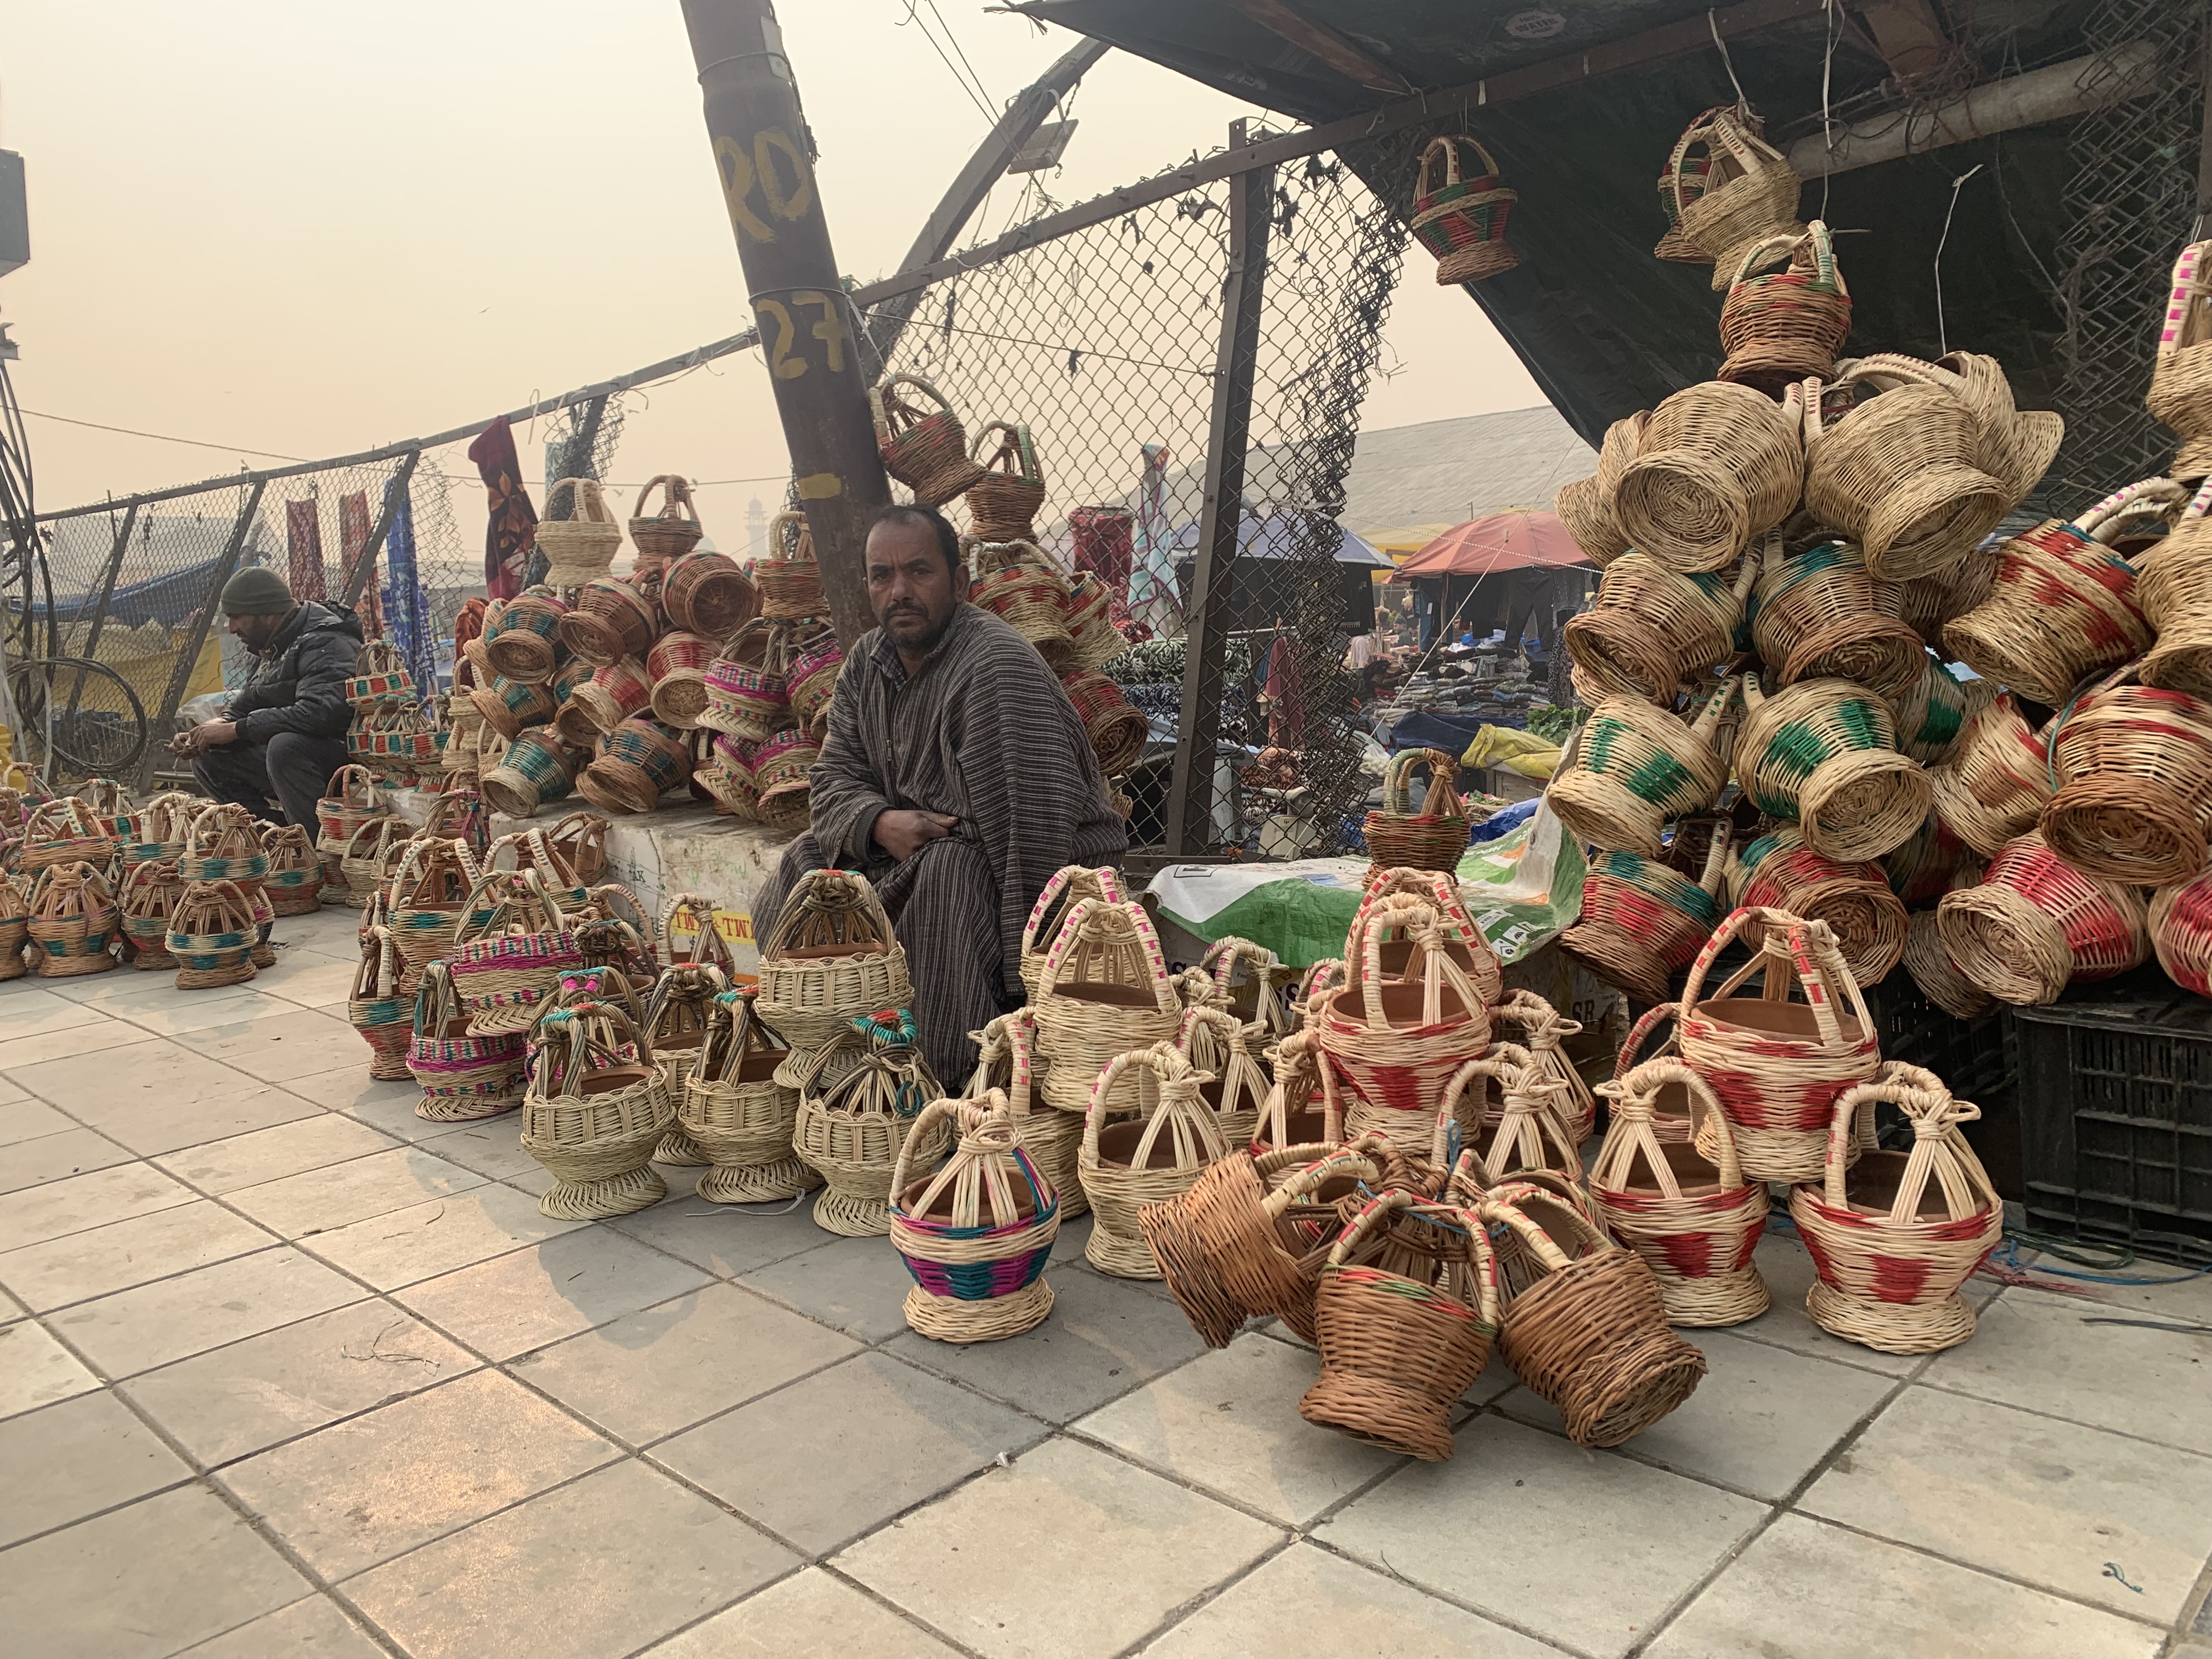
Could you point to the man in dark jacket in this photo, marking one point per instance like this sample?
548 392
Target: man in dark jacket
284 734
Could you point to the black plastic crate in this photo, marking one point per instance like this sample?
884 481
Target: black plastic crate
2116 1113
1977 1059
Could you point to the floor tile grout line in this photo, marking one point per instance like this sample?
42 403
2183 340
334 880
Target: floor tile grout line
1489 1615
1952 1391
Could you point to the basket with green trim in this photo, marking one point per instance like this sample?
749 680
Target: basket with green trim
1823 753
1637 766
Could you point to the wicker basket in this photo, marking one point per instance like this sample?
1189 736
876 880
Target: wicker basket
615 693
1462 940
595 1108
1589 1335
1896 473
380 1011
434 879
463 1078
925 449
858 1134
368 855
1854 900
1002 504
1461 218
513 946
1924 869
110 806
1651 628
608 620
1510 1127
781 769
1233 1084
2014 447
2175 593
1068 885
1717 464
1253 982
1133 1162
789 578
1007 1061
1938 979
1695 1220
1396 1043
1093 641
354 799
735 1112
577 549
1585 506
1643 922
508 707
60 833
1779 326
977 1234
830 958
1823 615
683 996
676 665
670 533
1432 838
1405 1312
212 934
2134 769
1018 584
1824 753
1117 729
610 938
145 900
2063 607
535 770
1895 1238
1725 189
2180 928
1777 1066
523 646
638 761
2181 376
1994 786
746 688
1103 990
15 926
1634 768
381 679
704 592
2035 924
1932 716
295 881
811 678
1544 1031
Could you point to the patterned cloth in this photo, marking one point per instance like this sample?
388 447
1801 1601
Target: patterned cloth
984 732
404 601
303 548
512 524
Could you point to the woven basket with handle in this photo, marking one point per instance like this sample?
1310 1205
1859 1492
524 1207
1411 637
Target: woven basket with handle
855 1133
1635 768
1463 941
678 1015
1725 190
1641 922
580 548
1002 504
1067 885
1432 838
2134 769
1129 1162
463 1078
525 645
1653 629
1461 216
1853 899
1716 466
1897 472
735 1112
212 934
670 533
1822 614
1007 1059
608 620
924 448
1103 990
2035 923
830 958
975 1235
1824 753
1233 1082
1780 326
2181 374
595 1109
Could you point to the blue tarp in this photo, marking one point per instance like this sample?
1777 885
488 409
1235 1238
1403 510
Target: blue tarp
1274 536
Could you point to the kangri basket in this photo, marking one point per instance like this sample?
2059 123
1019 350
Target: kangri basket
1253 981
212 934
1823 614
976 1235
1461 218
463 1078
368 856
678 1017
1007 1059
1233 1083
1103 990
513 943
1066 887
2014 446
1018 584
2035 923
1929 961
858 1134
747 688
1641 922
735 1112
1463 941
295 881
1432 838
1695 1220
830 957
509 706
380 679
2175 593
924 448
2180 928
524 645
595 1109
1522 1137
1780 326
637 763
378 1011
676 665
146 900
1092 638
670 533
1405 1315
536 769
2134 769
1725 190
704 592
1002 504
1824 753
608 620
73 922
782 769
615 693
433 881
1134 1161
577 548
1717 466
16 931
1853 899
64 832
1995 784
1635 768
1543 1034
1776 1065
811 678
1589 1335
1897 474
1893 1235
557 859
2181 374
1932 715
789 580
1118 730
1652 628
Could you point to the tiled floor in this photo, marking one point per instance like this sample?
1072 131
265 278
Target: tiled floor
286 1372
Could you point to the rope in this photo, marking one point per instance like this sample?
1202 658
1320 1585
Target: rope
1943 339
1742 103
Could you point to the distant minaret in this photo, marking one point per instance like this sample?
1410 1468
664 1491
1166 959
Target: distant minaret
756 529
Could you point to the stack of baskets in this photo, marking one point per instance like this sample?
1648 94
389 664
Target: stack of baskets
395 734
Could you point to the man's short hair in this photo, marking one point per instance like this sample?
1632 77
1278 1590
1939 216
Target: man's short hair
948 538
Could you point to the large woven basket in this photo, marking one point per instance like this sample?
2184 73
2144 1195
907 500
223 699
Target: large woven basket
513 943
856 1135
925 448
676 665
608 620
1103 990
1898 474
1725 189
1635 768
463 1078
1824 753
1780 326
1067 885
1777 1066
1641 922
2181 374
976 1235
1929 961
1460 216
1717 464
830 958
1652 628
595 1109
736 1113
2035 924
1695 1220
1853 899
1995 784
1131 1162
1894 1235
1405 1312
212 934
2134 769
2063 607
1823 614
1434 838
578 549
1002 504
2014 446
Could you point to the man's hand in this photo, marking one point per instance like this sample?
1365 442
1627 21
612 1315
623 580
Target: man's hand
902 833
210 734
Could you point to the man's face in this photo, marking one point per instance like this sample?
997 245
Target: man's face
255 632
911 587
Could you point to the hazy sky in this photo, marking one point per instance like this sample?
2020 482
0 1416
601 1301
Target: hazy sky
310 229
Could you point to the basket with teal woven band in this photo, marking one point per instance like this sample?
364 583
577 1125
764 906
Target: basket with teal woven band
1642 922
224 844
64 832
1460 215
1780 871
1634 768
295 881
462 1077
535 769
147 898
381 679
212 934
377 1009
1823 754
975 1235
524 644
1822 615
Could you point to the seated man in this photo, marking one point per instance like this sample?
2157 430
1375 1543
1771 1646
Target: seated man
284 732
957 777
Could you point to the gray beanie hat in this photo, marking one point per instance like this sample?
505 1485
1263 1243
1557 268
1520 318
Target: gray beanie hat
256 590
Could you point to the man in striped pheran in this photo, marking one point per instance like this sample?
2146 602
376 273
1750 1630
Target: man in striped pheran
957 777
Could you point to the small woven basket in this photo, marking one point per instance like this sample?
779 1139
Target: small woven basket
1118 730
638 761
595 1109
858 1133
1696 1221
614 693
670 533
608 620
1460 218
676 665
924 448
381 679
1995 784
747 688
976 1235
433 880
1544 1033
1854 900
15 928
2035 924
535 771
354 799
1132 1162
811 678
513 946
1717 464
2014 446
1725 190
1233 1082
704 592
1779 326
2134 769
1777 1066
735 1112
2175 593
1824 753
523 646
830 958
577 549
1896 473
1643 922
1103 991
378 1011
1462 940
59 833
1253 982
790 581
1824 615
1651 628
1635 768
1002 504
1434 838
146 901
1940 981
1894 1235
463 1078
1093 641
295 881
1017 583
1007 1060
367 856
1068 886
679 1013
1407 1311
2181 374
212 934
510 706
1589 1336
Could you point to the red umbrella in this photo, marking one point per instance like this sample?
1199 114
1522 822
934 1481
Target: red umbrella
1519 538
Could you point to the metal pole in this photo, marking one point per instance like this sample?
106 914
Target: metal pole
1190 788
91 652
365 561
188 659
764 157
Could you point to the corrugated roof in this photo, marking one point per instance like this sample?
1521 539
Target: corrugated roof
1448 471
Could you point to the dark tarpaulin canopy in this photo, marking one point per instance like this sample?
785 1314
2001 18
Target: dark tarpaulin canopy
1604 327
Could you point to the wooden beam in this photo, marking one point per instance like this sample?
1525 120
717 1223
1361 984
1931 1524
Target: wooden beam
1321 41
1909 36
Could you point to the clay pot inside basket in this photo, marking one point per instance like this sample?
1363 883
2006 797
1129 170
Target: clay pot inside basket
1118 1142
1871 1187
1397 952
940 1209
1117 996
1793 1021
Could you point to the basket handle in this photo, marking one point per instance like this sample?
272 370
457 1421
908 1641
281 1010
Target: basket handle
590 503
1436 147
1761 251
1634 1098
525 891
1437 965
1481 1258
893 414
1709 718
1015 446
2190 282
902 1166
1398 777
1503 1069
676 503
1938 1148
1220 1021
376 956
701 912
1716 859
2149 496
1309 1179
